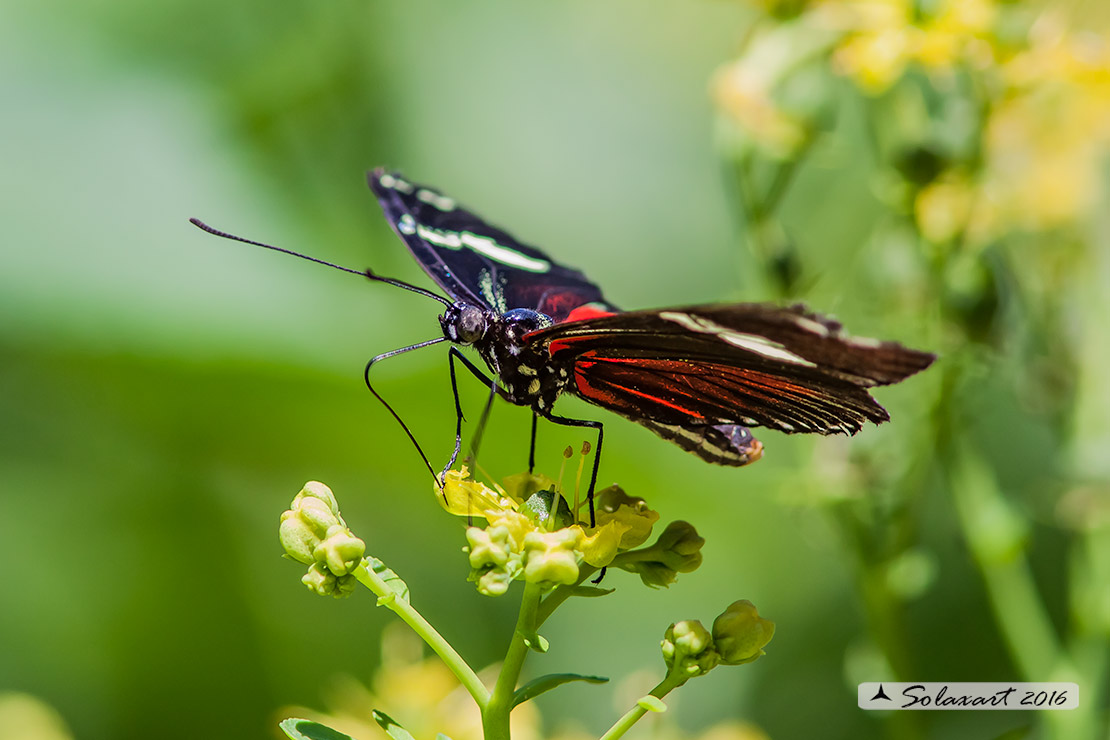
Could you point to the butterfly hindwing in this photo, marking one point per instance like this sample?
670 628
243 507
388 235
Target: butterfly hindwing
474 261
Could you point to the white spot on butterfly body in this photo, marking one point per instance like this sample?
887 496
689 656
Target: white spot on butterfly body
750 342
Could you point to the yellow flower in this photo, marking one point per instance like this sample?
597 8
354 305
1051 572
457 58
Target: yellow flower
742 91
957 31
614 505
874 60
600 546
521 541
943 207
463 496
419 692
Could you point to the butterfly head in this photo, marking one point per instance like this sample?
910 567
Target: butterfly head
463 323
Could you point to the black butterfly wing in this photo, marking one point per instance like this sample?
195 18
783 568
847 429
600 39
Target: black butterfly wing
701 371
476 262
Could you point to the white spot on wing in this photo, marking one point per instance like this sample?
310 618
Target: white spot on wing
751 342
480 244
395 183
534 387
406 225
504 255
814 327
434 199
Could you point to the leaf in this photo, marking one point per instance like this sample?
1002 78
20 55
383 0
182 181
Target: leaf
390 726
652 703
537 642
306 729
537 686
396 585
591 591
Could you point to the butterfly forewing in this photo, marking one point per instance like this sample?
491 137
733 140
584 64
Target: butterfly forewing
476 262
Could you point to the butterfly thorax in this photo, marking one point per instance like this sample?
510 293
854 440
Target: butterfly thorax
525 373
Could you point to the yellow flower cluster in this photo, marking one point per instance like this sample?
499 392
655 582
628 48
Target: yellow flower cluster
532 535
1034 95
882 37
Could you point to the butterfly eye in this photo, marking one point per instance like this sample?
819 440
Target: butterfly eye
463 323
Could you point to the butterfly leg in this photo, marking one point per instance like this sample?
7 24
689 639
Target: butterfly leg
532 446
564 421
479 430
452 355
370 387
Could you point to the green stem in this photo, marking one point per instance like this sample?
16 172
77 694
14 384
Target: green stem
403 609
495 711
1018 609
995 537
633 715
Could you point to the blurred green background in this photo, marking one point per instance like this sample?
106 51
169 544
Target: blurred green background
164 393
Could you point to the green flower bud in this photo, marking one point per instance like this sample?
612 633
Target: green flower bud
494 559
688 649
312 532
340 551
319 492
741 634
312 514
678 550
321 581
493 582
298 538
681 545
550 557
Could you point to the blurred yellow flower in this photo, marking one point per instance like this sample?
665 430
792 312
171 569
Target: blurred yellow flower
1046 140
743 92
420 693
943 207
883 37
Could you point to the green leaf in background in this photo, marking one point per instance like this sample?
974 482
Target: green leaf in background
537 686
306 729
391 727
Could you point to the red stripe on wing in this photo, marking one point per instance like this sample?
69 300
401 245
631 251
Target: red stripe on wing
686 392
605 398
589 311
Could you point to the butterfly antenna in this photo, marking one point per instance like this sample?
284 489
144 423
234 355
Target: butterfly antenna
364 273
407 286
205 227
370 387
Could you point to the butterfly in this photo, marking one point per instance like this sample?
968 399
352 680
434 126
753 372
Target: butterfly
697 376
